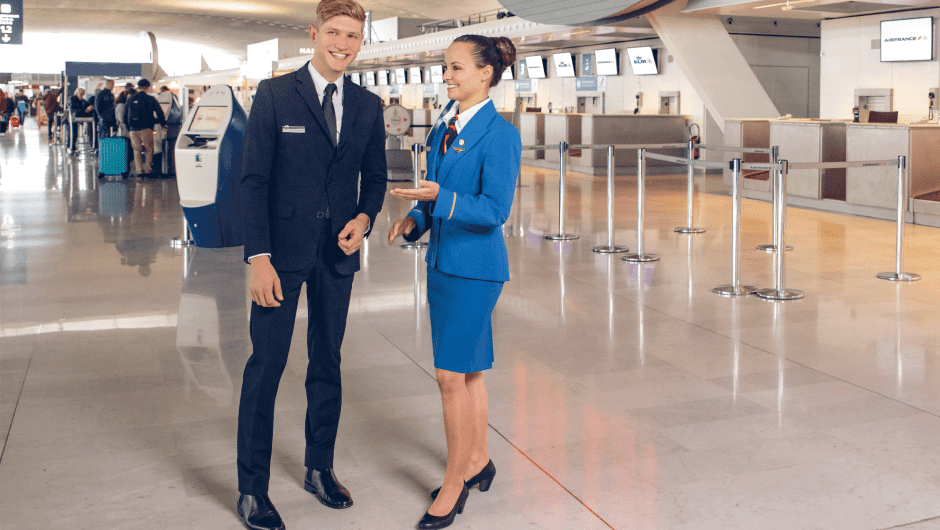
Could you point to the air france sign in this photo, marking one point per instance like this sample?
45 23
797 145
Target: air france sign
907 40
11 21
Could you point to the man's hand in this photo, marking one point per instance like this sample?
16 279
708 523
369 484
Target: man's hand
264 285
350 239
401 227
427 191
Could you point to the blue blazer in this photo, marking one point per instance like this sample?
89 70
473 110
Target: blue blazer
477 177
293 176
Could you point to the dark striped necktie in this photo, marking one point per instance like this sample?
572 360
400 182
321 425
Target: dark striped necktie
450 134
328 111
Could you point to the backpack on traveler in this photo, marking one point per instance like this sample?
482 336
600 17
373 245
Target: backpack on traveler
139 112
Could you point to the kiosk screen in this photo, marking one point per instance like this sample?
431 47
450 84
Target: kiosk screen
208 119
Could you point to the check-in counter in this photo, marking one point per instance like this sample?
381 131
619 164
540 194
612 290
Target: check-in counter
876 188
811 141
532 130
629 129
562 128
747 133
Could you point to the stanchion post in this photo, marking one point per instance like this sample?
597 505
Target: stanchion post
640 256
610 248
735 288
688 228
774 185
897 275
562 172
416 155
779 290
186 240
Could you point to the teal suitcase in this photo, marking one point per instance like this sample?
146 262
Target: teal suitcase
114 156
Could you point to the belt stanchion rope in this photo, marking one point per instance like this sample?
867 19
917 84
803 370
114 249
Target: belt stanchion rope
775 191
688 228
416 153
779 290
735 288
610 248
640 256
562 170
897 275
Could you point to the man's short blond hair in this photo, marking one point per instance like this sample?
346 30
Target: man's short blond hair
328 9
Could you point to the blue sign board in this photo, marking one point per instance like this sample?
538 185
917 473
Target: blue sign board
586 64
11 21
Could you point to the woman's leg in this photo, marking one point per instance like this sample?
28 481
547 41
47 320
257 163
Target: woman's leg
457 430
479 412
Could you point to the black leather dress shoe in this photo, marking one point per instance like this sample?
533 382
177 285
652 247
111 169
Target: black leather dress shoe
323 484
257 513
434 522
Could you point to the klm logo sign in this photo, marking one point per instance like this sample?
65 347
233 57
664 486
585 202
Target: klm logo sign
642 60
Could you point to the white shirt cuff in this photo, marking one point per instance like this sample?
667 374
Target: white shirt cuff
268 254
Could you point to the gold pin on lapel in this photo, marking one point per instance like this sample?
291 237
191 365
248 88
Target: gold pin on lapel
459 149
461 141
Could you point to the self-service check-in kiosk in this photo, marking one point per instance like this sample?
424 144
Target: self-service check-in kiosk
209 168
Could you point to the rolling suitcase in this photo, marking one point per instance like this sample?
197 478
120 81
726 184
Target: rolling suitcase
113 156
15 122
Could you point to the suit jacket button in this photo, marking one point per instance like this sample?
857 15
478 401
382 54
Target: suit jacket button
319 215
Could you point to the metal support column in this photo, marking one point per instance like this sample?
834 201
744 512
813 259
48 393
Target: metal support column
562 171
610 248
688 228
640 256
897 275
416 155
735 288
774 186
779 290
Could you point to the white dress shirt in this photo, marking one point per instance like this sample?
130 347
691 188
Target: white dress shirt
464 116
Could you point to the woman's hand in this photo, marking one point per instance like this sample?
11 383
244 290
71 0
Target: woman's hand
401 227
427 191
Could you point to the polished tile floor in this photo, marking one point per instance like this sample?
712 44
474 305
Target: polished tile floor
623 396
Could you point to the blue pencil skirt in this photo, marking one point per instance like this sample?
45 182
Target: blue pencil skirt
461 326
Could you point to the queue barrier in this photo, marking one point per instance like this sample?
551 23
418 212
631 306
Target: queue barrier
416 154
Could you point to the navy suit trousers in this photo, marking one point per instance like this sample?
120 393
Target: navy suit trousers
328 295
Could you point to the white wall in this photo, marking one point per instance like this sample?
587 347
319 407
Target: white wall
849 62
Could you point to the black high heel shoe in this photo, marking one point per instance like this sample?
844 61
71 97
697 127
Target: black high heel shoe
484 478
433 522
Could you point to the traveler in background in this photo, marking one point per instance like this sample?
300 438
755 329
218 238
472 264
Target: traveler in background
79 109
119 105
104 106
6 110
51 105
473 160
141 114
164 88
22 106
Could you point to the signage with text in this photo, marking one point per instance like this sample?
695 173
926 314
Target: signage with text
907 40
11 21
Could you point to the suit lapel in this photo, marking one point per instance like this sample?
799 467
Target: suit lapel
308 91
351 109
465 141
433 143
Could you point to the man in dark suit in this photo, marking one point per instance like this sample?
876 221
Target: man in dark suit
311 134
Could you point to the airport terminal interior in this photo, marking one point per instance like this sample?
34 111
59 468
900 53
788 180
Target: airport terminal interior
625 394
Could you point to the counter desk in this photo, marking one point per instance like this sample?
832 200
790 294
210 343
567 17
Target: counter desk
746 133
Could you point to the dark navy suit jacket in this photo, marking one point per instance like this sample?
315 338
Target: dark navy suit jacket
292 172
477 179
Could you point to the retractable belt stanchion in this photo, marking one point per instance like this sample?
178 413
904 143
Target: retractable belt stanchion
640 256
688 228
775 190
897 275
735 288
562 170
416 153
186 240
779 290
610 248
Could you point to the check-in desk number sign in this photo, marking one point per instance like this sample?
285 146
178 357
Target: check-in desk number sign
11 22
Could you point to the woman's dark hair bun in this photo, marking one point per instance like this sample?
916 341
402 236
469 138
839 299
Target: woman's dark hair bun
506 50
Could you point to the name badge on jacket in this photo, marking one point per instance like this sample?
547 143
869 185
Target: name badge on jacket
293 129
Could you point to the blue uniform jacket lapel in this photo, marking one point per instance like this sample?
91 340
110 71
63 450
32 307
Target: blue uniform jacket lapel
433 143
308 91
465 141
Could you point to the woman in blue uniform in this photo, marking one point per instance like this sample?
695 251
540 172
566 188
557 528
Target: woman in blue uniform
473 162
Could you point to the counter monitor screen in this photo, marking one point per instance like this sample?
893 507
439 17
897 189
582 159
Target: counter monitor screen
437 73
370 78
383 77
642 60
400 76
415 73
208 119
535 66
910 39
356 78
507 73
564 64
606 61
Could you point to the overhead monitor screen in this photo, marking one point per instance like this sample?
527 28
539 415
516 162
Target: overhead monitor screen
356 78
910 39
400 76
383 77
606 61
564 64
507 73
535 67
370 78
208 119
437 73
415 74
642 60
